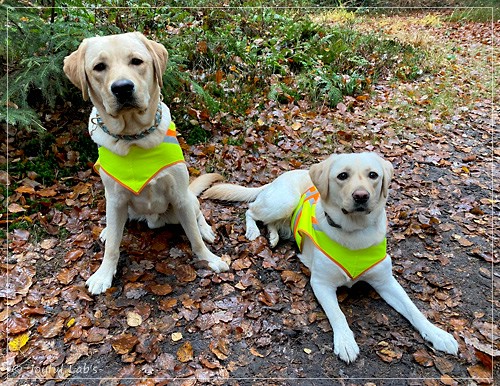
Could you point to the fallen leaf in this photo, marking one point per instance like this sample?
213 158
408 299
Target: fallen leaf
124 343
21 234
96 334
66 275
481 374
76 351
48 192
48 243
160 289
443 365
447 380
486 353
463 241
220 348
17 282
73 255
167 304
208 362
388 355
16 324
270 295
15 208
19 341
254 352
185 273
241 264
51 328
25 189
423 358
133 319
219 75
185 353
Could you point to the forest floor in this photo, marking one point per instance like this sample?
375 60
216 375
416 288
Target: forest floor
170 320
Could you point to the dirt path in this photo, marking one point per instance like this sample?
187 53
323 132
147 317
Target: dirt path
259 324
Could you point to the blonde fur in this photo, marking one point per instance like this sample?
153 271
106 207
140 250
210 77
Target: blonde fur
340 180
97 65
231 192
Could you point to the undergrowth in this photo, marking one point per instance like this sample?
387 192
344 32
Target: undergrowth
222 61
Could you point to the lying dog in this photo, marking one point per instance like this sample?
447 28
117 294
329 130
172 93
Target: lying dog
336 212
140 161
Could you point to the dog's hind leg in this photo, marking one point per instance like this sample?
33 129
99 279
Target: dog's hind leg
274 209
205 229
252 231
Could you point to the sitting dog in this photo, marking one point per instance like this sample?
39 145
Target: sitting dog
140 161
336 212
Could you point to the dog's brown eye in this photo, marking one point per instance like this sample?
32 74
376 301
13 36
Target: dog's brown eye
343 176
99 67
136 62
373 175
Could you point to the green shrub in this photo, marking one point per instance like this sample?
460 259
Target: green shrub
221 60
36 45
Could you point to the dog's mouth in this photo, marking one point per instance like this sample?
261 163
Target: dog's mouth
357 209
126 105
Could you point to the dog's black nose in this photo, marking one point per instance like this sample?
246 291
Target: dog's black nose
123 89
360 196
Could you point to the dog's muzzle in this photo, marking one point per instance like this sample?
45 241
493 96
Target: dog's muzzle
360 199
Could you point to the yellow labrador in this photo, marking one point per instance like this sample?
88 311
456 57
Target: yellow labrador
336 212
140 160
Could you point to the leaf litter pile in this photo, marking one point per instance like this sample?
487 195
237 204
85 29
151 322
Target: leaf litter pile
170 318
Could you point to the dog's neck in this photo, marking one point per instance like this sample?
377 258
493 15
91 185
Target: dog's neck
136 136
120 146
354 231
330 222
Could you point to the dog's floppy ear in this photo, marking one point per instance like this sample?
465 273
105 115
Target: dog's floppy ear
159 54
320 173
74 68
388 173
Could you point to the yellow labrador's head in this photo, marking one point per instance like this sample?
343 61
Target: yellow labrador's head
354 183
118 72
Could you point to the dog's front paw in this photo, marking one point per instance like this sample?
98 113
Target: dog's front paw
100 281
442 341
345 346
219 266
216 263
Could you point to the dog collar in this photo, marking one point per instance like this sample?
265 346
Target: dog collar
331 222
97 120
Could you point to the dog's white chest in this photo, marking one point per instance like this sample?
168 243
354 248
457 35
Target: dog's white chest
152 199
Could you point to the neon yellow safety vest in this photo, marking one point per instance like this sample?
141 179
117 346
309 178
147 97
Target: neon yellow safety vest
353 262
134 170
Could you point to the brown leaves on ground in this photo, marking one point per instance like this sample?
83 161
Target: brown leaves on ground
168 316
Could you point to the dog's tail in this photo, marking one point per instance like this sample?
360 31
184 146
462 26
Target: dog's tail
232 192
204 181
